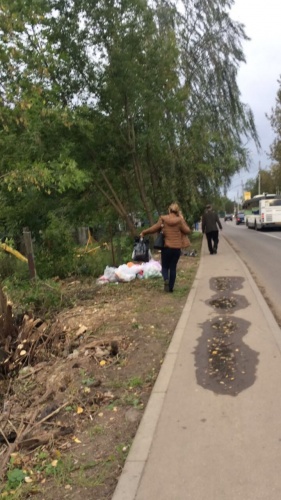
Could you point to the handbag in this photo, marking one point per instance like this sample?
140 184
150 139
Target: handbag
160 240
185 242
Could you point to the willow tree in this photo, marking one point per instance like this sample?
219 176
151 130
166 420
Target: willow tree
216 121
169 90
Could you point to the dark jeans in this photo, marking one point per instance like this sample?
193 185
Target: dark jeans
169 260
213 240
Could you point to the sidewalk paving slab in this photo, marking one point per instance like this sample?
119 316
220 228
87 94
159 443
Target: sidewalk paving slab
194 441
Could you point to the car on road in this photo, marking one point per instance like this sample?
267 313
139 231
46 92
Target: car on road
228 217
240 218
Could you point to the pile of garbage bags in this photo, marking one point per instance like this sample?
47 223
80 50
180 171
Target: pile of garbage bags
130 271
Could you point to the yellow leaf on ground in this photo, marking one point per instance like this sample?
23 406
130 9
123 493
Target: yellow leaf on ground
79 410
76 440
102 362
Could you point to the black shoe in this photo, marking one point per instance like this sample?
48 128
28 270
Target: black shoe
166 286
215 250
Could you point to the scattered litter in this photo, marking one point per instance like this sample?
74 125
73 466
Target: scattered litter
189 253
131 271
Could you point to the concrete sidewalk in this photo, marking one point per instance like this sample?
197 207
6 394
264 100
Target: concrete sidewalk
212 426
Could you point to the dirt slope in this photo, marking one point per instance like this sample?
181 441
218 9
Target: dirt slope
75 413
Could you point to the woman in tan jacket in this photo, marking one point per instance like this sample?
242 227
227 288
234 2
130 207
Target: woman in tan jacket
174 228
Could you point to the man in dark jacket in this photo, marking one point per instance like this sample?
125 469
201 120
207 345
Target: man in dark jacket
210 225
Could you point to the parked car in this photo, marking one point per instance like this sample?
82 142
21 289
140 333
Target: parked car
228 217
240 218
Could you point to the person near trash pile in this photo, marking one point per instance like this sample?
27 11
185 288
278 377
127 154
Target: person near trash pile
210 225
175 230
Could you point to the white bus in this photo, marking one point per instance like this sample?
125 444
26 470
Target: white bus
263 211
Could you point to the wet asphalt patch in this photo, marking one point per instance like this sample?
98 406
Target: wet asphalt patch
226 283
224 363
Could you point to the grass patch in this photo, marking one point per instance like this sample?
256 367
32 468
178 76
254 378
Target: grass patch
135 382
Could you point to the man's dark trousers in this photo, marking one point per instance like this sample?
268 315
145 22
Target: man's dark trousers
213 241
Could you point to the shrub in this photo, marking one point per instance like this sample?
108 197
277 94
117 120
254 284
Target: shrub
39 297
55 253
10 265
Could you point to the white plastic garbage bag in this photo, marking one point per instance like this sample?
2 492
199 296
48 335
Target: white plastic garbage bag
126 273
152 269
110 274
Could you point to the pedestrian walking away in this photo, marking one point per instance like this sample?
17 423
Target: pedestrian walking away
175 229
210 226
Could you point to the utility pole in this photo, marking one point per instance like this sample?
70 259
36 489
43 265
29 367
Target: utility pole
259 177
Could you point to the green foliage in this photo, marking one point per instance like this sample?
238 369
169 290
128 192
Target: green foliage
55 253
123 248
91 265
267 181
135 382
196 240
224 205
129 105
275 120
15 478
11 266
41 297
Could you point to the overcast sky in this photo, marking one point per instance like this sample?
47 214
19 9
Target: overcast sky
257 78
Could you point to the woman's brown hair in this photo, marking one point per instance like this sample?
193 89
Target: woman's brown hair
174 208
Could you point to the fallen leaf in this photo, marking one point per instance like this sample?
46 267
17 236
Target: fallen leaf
79 410
54 463
76 440
102 363
28 479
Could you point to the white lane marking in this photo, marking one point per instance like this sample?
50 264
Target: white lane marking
273 236
264 234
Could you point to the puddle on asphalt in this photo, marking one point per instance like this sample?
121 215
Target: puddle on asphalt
223 283
224 363
224 302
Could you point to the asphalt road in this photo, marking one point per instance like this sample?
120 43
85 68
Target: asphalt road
261 252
